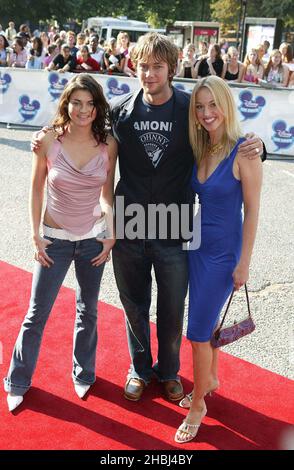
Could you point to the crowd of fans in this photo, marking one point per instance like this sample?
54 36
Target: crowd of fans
259 67
64 51
69 52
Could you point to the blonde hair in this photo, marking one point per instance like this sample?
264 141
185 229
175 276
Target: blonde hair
232 50
160 48
123 34
223 97
247 60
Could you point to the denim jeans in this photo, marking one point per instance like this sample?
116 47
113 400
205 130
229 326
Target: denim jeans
133 261
45 287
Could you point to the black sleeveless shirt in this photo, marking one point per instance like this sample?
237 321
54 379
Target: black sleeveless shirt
231 76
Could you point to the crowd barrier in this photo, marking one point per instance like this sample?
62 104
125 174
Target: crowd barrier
30 98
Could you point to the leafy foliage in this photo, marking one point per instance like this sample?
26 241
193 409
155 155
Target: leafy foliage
226 12
157 13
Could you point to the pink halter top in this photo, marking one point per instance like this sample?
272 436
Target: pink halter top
72 194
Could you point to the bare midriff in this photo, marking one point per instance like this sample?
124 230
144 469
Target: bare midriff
47 220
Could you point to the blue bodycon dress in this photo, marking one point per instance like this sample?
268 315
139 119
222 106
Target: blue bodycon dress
211 265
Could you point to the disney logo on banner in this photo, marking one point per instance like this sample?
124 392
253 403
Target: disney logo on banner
5 81
28 110
115 89
250 107
56 85
282 137
181 87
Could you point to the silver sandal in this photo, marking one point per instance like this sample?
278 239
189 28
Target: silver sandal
186 401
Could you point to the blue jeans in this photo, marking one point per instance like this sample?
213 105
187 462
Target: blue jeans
133 261
45 287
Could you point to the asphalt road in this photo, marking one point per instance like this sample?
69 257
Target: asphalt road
271 286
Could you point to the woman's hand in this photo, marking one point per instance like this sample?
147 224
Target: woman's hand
108 244
40 251
240 275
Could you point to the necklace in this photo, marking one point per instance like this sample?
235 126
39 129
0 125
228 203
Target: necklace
214 149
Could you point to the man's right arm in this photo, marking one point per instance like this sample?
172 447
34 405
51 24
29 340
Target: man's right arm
37 138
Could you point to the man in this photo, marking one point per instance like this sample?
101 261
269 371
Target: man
266 56
71 41
97 52
156 160
10 32
25 37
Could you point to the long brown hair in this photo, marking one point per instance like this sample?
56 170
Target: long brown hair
270 63
101 123
288 57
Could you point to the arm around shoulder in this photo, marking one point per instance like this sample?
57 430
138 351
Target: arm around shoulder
44 138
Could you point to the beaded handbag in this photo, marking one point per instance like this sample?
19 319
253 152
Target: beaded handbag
223 336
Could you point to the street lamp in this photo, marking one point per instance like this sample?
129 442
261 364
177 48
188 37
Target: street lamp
243 16
202 10
239 27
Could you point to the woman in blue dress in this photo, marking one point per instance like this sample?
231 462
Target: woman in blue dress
224 182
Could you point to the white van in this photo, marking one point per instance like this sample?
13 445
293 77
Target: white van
108 27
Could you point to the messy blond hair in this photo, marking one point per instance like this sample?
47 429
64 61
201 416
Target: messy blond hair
160 48
223 97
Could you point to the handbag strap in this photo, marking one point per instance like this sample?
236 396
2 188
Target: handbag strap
229 303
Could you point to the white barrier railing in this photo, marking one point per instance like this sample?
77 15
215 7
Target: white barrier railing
30 98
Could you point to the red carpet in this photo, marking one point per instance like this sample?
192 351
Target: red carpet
252 409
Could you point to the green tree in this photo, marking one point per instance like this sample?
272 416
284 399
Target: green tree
21 11
227 12
283 9
157 13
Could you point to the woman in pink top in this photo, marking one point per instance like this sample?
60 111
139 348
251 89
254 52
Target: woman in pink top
77 157
18 57
253 68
